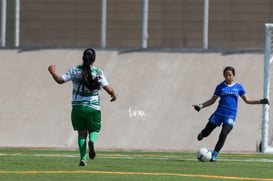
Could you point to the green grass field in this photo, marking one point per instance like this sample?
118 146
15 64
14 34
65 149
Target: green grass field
62 165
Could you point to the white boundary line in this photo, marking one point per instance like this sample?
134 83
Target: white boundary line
139 156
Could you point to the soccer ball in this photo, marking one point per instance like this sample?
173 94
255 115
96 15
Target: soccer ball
204 155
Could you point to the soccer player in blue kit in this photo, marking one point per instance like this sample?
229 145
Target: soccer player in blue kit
225 114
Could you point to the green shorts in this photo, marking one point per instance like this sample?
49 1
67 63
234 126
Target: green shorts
86 118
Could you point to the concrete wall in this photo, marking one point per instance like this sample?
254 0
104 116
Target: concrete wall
155 90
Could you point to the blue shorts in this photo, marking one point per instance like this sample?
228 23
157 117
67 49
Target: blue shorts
218 120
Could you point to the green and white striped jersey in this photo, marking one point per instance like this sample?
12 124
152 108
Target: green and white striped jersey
85 96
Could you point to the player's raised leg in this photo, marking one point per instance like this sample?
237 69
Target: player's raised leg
206 131
93 136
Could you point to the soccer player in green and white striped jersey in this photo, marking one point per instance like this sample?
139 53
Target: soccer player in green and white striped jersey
86 115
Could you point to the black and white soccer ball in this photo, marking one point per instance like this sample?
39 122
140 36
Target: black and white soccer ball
204 155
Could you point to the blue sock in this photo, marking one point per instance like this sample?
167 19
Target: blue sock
214 155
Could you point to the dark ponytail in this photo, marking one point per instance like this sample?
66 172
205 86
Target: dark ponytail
92 83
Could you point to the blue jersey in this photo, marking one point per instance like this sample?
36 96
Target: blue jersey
228 102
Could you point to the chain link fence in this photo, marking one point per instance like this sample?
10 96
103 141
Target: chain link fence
175 24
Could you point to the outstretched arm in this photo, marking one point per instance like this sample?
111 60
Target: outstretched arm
56 77
111 92
209 102
251 101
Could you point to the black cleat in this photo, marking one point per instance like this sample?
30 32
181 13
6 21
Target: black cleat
213 160
199 137
92 153
82 163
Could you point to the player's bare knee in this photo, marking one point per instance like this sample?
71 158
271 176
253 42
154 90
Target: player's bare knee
82 133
